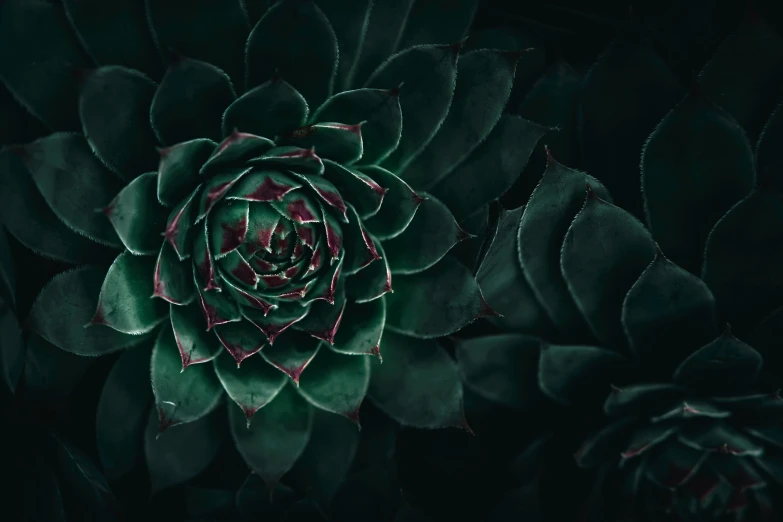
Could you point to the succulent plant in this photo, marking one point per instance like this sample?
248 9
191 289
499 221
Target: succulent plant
621 308
276 187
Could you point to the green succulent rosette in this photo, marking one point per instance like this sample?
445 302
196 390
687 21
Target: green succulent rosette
277 188
616 332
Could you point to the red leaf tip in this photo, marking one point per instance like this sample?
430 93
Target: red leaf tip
395 92
550 159
376 351
462 235
464 426
417 199
98 318
591 195
456 47
353 416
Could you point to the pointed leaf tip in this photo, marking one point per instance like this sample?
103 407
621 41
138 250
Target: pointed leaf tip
591 194
462 234
464 426
376 351
486 310
353 416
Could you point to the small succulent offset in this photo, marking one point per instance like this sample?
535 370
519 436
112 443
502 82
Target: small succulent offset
285 194
665 334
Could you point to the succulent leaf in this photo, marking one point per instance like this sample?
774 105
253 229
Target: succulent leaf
115 32
428 74
335 141
605 251
724 365
371 282
418 384
365 194
392 218
292 353
742 259
189 102
252 386
74 184
452 297
695 166
565 372
503 368
433 229
379 112
503 283
336 383
124 303
484 81
172 280
602 446
178 171
66 305
454 20
296 41
666 309
194 343
361 328
272 109
137 217
181 396
122 412
28 217
234 149
38 55
114 107
241 339
181 453
505 152
557 198
180 26
277 435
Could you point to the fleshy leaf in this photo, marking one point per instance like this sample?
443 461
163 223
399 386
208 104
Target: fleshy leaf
636 398
28 217
399 204
744 74
361 328
280 319
270 110
327 458
304 161
172 279
665 310
454 18
296 41
85 480
39 54
361 190
555 201
203 30
263 185
624 96
277 435
262 223
334 233
383 30
484 80
126 301
66 305
380 111
241 339
298 207
253 386
504 285
360 247
429 237
418 384
552 102
122 412
114 107
74 184
371 282
178 171
326 191
235 150
137 216
254 499
292 353
51 374
504 154
195 344
567 372
228 225
603 445
722 365
350 29
181 396
336 383
436 302
190 101
181 453
599 278
502 368
339 142
216 188
180 224
695 166
742 259
239 269
217 307
115 33
428 74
